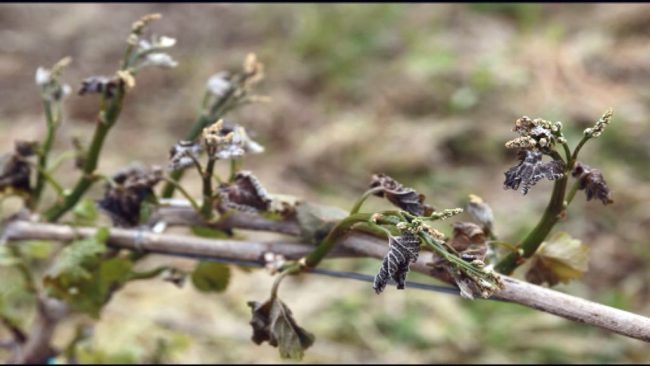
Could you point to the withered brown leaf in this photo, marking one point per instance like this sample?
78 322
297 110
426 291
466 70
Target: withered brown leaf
403 197
273 322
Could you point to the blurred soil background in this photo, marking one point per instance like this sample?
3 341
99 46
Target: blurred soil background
427 93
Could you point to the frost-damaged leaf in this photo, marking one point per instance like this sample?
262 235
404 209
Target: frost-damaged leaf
124 201
469 241
80 277
405 198
273 322
402 251
184 154
15 172
531 170
592 182
316 221
100 85
210 276
246 194
559 259
226 141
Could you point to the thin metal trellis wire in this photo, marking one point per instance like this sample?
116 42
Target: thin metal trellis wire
326 272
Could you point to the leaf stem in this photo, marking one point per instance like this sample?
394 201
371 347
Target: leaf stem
357 205
337 232
206 208
52 118
532 241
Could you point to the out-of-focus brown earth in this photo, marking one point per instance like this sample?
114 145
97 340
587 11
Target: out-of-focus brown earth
426 93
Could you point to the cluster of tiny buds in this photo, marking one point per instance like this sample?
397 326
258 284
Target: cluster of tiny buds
447 213
600 125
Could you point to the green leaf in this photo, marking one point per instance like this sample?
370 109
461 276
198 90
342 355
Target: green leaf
560 259
273 321
37 249
75 261
316 221
85 212
80 277
210 276
208 232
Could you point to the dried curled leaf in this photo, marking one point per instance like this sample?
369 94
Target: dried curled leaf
183 154
124 202
273 322
469 241
405 198
592 182
531 170
100 85
559 259
246 194
402 251
15 172
225 141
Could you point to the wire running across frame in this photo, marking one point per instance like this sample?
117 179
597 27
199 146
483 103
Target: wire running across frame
326 272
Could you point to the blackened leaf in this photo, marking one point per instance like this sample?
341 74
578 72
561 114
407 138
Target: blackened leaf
531 170
124 201
99 84
405 198
592 182
211 276
183 154
559 259
244 194
402 251
272 321
15 172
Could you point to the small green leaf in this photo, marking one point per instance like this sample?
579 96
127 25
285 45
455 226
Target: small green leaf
560 259
80 277
37 249
208 232
210 276
85 212
273 321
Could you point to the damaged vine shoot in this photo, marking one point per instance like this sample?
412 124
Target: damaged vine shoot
86 272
